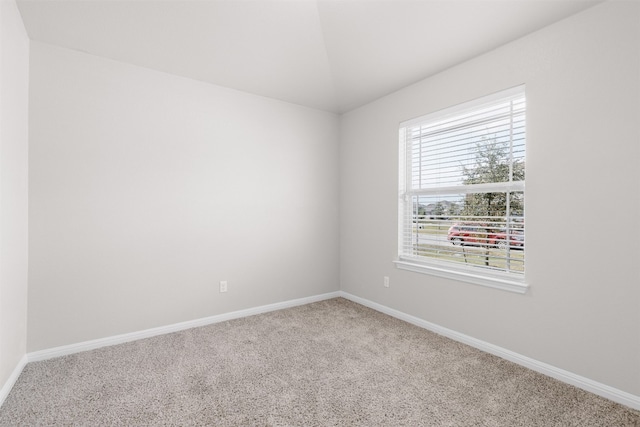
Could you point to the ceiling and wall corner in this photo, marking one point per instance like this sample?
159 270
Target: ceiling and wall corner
329 55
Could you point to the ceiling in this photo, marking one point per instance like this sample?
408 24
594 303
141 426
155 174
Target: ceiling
333 55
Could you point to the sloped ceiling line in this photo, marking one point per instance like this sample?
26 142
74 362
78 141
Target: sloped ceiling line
333 55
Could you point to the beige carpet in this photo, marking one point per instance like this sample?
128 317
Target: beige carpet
332 363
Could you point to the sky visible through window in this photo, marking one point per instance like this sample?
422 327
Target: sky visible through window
442 151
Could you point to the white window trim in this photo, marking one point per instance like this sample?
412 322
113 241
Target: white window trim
491 279
470 105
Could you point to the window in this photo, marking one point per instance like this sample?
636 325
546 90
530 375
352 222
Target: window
462 191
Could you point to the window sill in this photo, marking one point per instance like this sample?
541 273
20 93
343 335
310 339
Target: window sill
490 280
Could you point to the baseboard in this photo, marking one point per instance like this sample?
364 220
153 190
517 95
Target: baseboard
8 385
148 333
587 384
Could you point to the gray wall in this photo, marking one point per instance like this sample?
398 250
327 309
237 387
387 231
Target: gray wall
14 86
147 189
582 313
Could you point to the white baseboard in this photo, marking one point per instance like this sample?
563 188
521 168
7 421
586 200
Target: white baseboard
8 385
595 387
119 339
587 384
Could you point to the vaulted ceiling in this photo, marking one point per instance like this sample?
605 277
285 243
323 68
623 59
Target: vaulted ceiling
333 55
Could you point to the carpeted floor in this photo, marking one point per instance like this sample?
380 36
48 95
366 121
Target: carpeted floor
331 363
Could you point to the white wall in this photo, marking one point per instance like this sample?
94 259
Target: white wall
147 189
14 85
582 313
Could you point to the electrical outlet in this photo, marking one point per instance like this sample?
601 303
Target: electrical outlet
223 286
386 281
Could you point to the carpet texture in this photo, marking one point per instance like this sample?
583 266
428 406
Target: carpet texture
331 363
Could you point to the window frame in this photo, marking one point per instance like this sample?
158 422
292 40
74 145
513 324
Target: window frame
451 270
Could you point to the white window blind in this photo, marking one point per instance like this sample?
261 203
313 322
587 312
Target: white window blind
462 188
